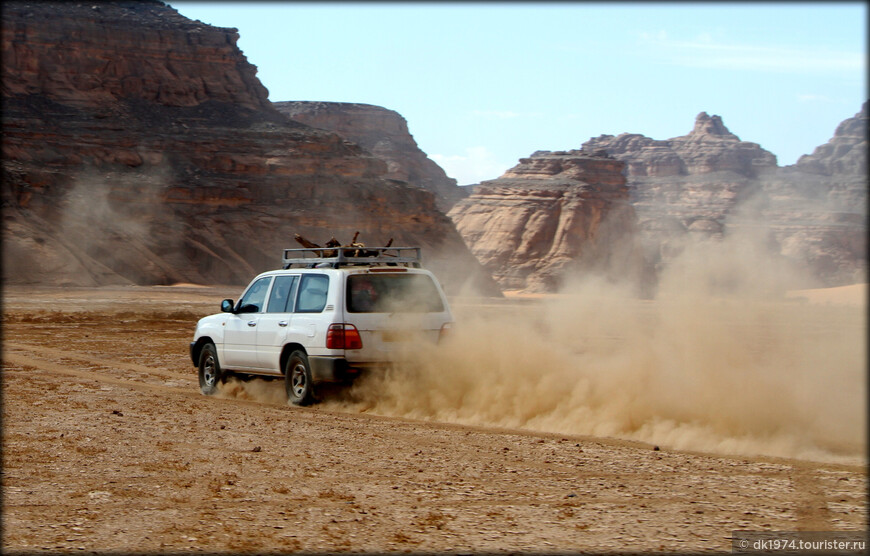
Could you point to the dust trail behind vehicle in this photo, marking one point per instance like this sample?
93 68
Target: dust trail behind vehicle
720 361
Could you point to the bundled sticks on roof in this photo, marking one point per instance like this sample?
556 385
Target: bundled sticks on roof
353 249
336 255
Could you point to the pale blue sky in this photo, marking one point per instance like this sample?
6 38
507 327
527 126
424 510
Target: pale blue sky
484 84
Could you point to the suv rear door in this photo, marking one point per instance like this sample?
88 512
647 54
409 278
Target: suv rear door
308 326
293 315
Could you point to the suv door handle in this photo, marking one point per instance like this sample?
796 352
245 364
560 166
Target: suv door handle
252 323
282 323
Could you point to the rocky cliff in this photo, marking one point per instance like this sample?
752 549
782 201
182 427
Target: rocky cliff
710 147
139 147
818 207
384 133
554 215
845 154
628 205
709 183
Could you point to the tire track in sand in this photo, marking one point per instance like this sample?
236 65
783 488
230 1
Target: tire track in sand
38 356
90 359
30 355
38 363
811 503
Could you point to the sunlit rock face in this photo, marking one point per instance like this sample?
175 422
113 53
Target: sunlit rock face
845 154
708 148
554 216
818 207
139 147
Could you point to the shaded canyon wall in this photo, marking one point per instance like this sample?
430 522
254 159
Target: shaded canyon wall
140 148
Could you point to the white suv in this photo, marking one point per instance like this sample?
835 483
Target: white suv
327 316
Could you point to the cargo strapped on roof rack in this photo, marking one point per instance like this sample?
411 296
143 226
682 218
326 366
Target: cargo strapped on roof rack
334 257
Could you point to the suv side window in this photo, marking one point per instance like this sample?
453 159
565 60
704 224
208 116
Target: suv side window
255 297
283 292
312 293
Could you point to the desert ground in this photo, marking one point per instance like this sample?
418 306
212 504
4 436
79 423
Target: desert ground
108 446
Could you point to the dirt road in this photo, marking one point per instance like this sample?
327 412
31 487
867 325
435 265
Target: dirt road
109 446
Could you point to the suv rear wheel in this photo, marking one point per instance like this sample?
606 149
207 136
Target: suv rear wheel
297 379
210 373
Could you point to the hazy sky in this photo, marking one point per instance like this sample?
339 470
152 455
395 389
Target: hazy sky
484 84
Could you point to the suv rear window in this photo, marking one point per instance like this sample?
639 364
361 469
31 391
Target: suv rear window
392 293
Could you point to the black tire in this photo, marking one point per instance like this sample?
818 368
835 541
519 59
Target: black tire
210 373
297 379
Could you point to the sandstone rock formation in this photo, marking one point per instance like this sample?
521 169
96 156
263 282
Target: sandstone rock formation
139 147
710 184
688 182
845 154
554 215
384 133
88 54
710 147
817 208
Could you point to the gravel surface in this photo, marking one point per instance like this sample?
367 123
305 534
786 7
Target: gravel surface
108 446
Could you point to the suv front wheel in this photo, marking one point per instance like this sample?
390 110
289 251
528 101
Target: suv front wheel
210 373
297 379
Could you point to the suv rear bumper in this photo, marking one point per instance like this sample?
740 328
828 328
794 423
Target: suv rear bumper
329 369
335 369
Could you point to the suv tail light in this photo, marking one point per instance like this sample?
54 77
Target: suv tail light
343 336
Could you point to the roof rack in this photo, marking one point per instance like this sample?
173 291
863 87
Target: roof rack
334 257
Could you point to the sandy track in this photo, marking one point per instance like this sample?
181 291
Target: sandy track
108 446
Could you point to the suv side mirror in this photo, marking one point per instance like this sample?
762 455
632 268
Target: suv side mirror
227 306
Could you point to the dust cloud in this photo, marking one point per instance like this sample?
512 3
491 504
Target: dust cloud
262 390
91 213
116 223
720 361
